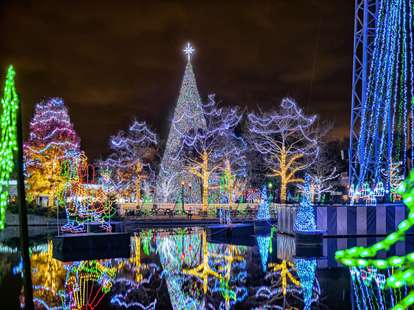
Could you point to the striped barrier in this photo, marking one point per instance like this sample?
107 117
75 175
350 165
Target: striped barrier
348 220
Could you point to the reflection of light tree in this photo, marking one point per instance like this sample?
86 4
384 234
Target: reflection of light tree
134 292
203 271
285 273
306 269
48 277
231 266
174 252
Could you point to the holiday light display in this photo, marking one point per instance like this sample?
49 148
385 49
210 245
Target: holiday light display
188 115
8 142
84 204
206 152
395 177
384 130
364 256
305 216
51 138
130 162
287 140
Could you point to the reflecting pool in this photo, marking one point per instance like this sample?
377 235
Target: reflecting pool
183 269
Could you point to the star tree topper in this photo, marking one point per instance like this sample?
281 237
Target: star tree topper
189 50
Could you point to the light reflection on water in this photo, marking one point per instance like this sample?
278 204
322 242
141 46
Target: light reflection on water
181 269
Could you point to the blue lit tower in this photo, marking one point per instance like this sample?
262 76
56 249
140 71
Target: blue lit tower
188 115
382 91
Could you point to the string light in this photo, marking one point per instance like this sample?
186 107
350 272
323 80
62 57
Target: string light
8 142
305 217
363 256
188 115
272 137
52 137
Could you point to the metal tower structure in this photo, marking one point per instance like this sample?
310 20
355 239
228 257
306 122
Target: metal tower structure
382 131
364 33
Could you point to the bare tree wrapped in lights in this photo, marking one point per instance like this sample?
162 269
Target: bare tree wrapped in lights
216 149
188 115
287 140
51 137
130 162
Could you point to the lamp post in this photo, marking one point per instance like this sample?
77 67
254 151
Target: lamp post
270 186
182 196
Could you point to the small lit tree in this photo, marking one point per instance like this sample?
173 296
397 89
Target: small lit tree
287 141
52 136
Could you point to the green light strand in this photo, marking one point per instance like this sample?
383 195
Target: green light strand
8 140
364 256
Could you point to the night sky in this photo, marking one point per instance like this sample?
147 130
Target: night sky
114 61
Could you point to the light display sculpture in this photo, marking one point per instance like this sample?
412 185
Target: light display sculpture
84 203
52 136
364 256
129 165
207 152
381 129
188 115
8 142
305 217
287 140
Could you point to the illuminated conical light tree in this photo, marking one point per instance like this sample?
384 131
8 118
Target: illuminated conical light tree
287 140
188 115
52 137
130 162
305 217
8 142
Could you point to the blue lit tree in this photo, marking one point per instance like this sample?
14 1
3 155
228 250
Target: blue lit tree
216 149
305 217
129 164
264 213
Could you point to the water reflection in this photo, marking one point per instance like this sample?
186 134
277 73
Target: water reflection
369 289
184 269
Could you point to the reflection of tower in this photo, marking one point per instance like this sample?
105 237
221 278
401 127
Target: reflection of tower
382 90
188 115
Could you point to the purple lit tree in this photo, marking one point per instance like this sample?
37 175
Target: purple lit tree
52 136
287 140
130 162
214 150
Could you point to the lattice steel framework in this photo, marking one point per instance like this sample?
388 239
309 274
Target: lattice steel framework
381 136
364 32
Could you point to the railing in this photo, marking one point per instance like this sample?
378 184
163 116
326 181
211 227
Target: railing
242 210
